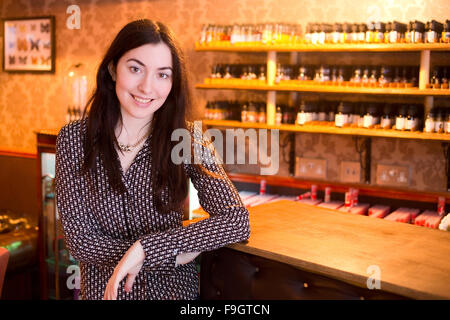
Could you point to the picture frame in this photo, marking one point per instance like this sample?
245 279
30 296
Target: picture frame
29 44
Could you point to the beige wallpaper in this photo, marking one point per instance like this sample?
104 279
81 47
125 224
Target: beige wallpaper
31 102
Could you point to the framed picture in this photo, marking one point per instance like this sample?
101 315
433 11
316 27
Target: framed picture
29 44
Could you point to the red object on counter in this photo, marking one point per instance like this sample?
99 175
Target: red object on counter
314 192
429 219
348 199
378 211
355 197
405 215
360 209
305 195
262 187
327 194
441 206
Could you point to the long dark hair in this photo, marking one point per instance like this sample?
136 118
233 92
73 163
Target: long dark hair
169 181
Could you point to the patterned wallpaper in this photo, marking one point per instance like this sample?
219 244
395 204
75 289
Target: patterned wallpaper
31 102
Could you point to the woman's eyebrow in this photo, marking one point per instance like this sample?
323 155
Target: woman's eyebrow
137 61
142 64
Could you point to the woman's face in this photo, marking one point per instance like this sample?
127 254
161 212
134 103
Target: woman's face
144 80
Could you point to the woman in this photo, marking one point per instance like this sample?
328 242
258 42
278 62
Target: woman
119 195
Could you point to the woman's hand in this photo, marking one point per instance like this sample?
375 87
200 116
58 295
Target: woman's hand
184 258
130 264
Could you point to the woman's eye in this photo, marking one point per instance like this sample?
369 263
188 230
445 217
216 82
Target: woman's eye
134 69
164 76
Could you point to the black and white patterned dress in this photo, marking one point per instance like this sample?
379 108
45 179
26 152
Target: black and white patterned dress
100 225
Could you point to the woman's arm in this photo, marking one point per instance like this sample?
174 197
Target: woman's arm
228 222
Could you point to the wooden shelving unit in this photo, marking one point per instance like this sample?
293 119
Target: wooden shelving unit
351 47
271 88
331 129
294 86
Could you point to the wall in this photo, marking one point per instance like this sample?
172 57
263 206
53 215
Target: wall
31 102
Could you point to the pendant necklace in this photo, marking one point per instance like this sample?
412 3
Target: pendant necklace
129 148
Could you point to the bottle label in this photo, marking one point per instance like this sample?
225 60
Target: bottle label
386 123
418 36
447 127
400 123
278 118
368 121
393 37
244 116
340 120
429 125
301 118
438 126
431 36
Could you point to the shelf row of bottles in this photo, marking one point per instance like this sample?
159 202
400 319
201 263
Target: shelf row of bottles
362 76
399 117
325 33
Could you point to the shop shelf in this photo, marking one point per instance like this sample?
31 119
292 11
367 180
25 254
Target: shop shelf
331 129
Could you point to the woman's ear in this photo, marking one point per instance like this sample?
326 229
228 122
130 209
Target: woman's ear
112 71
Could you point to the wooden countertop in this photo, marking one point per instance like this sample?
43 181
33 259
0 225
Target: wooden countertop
414 261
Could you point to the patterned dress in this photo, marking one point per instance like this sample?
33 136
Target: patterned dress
100 225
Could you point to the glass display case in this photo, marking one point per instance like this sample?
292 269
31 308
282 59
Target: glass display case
59 272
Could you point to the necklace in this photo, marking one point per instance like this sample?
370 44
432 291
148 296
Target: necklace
129 148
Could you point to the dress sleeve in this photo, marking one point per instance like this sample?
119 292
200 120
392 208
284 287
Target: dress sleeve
84 238
228 222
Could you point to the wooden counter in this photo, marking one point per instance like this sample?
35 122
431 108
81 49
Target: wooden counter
414 261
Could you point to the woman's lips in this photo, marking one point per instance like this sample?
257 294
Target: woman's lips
142 101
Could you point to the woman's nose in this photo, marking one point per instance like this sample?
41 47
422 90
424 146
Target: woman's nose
146 85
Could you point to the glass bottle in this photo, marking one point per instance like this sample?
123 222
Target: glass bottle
380 28
252 113
401 118
244 113
409 32
262 73
387 120
384 79
370 32
439 121
365 77
262 113
411 122
429 121
278 115
356 79
447 123
361 111
445 38
373 81
417 35
356 117
301 114
362 32
336 35
444 79
342 115
371 118
340 77
435 79
434 31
